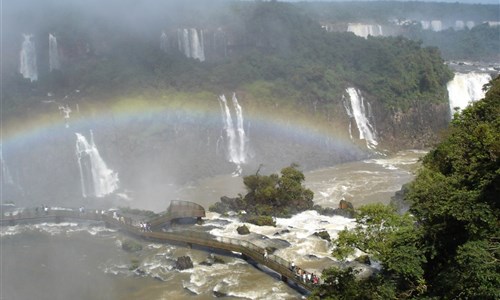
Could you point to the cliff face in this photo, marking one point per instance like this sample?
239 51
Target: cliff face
418 127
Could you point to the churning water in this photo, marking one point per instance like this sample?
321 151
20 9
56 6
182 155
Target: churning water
86 261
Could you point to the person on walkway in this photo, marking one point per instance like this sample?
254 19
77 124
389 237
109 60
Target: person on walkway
265 254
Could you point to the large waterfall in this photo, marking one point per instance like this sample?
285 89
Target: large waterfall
27 56
365 30
191 43
235 132
466 88
54 63
96 178
362 116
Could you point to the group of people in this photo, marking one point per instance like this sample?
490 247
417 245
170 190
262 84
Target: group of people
45 209
145 226
303 275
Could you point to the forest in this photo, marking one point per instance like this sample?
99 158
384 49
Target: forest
280 49
447 246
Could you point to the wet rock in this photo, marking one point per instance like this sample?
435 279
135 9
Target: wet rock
281 232
324 235
243 230
183 263
212 259
218 294
343 204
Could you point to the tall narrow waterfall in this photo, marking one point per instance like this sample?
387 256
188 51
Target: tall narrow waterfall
163 41
96 178
191 43
6 176
27 57
466 88
54 63
362 117
235 132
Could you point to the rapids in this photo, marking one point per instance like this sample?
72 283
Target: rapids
85 261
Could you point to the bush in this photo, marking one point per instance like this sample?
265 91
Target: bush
261 220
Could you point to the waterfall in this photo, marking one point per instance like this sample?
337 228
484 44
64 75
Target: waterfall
54 63
6 177
236 138
466 88
191 43
362 117
434 25
95 177
163 41
240 129
27 66
65 111
364 30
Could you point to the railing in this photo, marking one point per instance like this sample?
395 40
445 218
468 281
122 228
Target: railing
247 248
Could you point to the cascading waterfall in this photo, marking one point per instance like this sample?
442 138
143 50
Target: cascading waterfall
164 42
466 88
434 25
65 111
364 30
96 178
54 63
191 43
362 117
27 65
236 138
6 177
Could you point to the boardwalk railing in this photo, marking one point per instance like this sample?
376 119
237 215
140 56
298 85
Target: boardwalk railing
246 248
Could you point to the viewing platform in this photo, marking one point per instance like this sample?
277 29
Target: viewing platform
177 210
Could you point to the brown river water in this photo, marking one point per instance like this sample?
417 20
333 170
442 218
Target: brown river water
85 261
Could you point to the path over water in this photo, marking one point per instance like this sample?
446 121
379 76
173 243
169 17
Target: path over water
247 249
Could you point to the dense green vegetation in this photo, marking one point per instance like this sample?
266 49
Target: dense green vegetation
276 43
270 196
449 246
481 43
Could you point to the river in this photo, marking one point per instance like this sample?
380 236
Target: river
86 261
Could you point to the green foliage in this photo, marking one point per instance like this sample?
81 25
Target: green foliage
260 220
277 196
278 44
455 198
342 284
386 236
448 248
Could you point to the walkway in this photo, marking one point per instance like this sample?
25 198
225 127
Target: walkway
247 249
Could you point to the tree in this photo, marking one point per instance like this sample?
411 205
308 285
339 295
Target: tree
455 199
391 239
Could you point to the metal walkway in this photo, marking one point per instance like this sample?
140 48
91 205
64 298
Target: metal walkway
247 249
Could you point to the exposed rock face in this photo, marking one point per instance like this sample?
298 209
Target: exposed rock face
183 263
343 204
418 127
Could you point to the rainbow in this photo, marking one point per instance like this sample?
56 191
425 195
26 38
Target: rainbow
176 107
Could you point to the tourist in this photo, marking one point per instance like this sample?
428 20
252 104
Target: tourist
265 254
292 266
